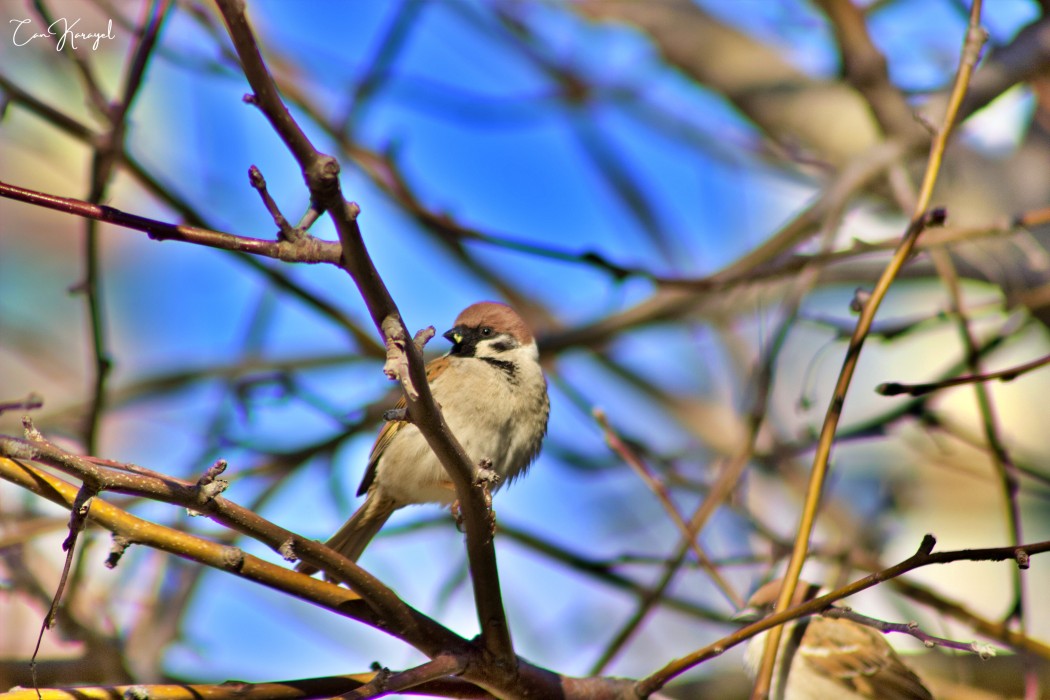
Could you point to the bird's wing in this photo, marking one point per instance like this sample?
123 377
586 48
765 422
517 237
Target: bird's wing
386 435
860 659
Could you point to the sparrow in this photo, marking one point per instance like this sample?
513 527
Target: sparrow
493 395
822 657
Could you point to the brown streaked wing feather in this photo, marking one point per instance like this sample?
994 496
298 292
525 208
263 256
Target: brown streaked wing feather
860 659
386 435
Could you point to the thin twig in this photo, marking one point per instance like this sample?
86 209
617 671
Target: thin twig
997 450
386 682
78 514
688 543
1003 375
305 250
910 628
660 490
284 229
31 402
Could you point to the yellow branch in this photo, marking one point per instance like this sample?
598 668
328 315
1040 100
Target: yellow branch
920 220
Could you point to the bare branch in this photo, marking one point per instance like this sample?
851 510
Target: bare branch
306 250
321 174
1004 375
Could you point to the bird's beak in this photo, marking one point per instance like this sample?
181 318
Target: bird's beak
453 335
747 615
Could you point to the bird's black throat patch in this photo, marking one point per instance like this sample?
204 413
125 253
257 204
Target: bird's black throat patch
510 368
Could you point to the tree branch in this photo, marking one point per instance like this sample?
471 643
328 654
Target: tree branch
321 174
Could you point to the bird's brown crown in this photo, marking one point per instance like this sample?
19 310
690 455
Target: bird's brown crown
500 317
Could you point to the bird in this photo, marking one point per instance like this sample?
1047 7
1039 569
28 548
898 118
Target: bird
493 396
823 657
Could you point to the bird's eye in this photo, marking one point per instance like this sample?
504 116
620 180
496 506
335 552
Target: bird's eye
486 332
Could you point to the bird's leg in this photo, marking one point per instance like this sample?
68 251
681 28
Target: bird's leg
457 514
485 478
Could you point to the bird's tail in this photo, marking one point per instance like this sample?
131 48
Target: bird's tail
358 531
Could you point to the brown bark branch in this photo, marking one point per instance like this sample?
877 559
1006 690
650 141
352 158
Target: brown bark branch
305 250
386 608
321 174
